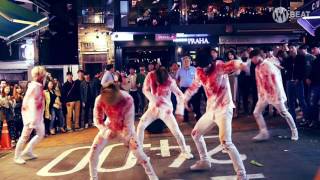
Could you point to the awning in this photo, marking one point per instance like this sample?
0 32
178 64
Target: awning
17 22
311 22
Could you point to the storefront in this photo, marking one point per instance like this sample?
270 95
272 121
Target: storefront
240 43
140 48
96 48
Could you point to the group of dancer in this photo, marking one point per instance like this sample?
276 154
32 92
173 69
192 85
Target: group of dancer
117 107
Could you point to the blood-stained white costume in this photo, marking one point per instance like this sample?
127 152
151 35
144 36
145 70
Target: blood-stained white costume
32 115
218 111
119 123
270 91
160 107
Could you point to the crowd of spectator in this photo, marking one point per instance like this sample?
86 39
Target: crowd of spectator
69 107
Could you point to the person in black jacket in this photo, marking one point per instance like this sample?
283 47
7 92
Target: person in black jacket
71 97
314 81
87 90
295 74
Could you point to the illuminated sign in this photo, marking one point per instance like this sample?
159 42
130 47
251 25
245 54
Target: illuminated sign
165 37
28 50
192 41
315 5
121 36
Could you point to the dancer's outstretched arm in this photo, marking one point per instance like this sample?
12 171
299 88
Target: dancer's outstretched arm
147 88
231 66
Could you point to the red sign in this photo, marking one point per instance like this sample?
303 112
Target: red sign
165 37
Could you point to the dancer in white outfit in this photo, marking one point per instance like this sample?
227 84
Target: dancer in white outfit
32 115
213 76
270 91
157 87
118 106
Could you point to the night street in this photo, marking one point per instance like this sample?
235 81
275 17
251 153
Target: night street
64 156
159 89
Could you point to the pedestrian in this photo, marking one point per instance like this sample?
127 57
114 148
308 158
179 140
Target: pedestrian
233 79
17 98
32 114
270 91
87 98
71 98
133 91
313 80
6 113
108 74
96 84
140 80
118 106
244 83
295 72
157 88
50 98
184 77
58 106
309 58
213 76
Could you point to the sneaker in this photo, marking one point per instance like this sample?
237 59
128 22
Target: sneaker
62 130
262 136
86 126
30 155
52 131
187 155
201 165
294 135
153 177
19 160
78 129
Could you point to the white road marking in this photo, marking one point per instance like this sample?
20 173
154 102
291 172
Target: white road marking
179 160
45 170
131 161
250 176
164 148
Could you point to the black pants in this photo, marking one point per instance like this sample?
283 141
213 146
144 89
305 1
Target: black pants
135 97
86 115
18 123
244 88
195 101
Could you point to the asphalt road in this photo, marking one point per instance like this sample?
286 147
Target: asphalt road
282 159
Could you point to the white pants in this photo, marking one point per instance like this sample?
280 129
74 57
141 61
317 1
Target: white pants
281 108
25 135
168 118
102 139
224 121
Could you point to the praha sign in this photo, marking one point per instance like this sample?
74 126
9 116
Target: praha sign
193 41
